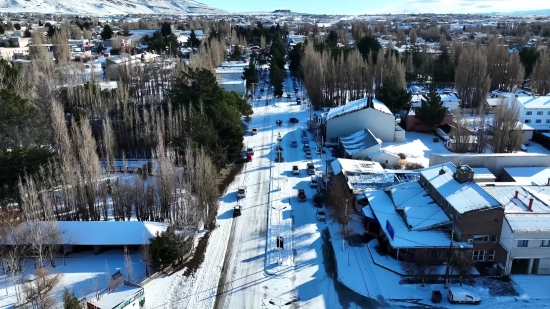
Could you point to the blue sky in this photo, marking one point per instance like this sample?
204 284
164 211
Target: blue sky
354 7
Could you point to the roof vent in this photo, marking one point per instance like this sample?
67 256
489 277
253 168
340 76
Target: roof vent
441 171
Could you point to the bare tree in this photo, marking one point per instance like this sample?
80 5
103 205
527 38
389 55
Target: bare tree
540 78
463 263
54 240
422 267
76 32
412 36
515 73
128 266
262 42
497 60
480 125
461 135
12 257
62 50
471 77
86 34
507 135
337 198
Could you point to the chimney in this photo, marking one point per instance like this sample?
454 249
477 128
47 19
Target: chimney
516 195
530 204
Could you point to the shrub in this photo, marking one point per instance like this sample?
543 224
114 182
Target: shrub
401 156
413 166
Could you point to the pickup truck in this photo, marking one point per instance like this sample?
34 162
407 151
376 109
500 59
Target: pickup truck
295 170
302 195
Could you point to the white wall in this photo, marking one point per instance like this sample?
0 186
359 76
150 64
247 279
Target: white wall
509 241
239 88
494 162
380 124
388 159
365 153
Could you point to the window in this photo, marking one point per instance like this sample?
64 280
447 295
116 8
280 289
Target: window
540 112
548 113
547 120
481 238
494 238
538 121
545 243
479 255
459 217
529 113
527 120
523 243
491 256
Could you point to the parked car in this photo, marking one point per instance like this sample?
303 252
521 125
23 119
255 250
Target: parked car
248 157
462 296
302 195
254 131
294 120
298 101
304 133
237 211
288 96
306 148
308 154
241 193
295 170
314 182
318 200
310 169
305 140
294 144
250 150
321 215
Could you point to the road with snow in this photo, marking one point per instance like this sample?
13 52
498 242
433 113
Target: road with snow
242 267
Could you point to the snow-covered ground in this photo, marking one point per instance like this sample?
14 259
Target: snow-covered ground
82 273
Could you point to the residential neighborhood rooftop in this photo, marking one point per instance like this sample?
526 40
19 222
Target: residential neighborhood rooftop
356 167
357 105
384 210
519 203
539 102
463 197
528 222
537 176
359 141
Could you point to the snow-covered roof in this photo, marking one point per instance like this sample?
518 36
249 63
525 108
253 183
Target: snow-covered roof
119 295
463 197
445 97
421 211
365 181
534 102
506 195
109 233
359 141
355 106
384 210
528 222
536 176
356 167
482 173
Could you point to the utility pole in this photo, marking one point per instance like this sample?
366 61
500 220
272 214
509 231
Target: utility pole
449 259
345 228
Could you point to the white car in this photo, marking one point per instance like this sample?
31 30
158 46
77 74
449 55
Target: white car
250 150
462 296
308 154
314 182
241 193
321 215
254 131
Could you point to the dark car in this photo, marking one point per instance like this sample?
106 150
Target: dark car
294 120
237 211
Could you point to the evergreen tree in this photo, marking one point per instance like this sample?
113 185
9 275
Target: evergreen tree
393 96
250 74
70 301
432 111
165 248
193 41
107 32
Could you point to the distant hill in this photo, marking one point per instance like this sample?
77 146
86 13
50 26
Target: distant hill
518 13
109 7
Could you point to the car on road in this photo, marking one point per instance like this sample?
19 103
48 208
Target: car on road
318 200
254 131
308 154
462 296
306 148
248 157
305 140
298 101
310 169
241 193
293 120
294 144
304 133
302 195
288 96
295 170
250 150
314 182
237 210
321 216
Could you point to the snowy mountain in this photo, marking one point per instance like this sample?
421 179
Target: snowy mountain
109 7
